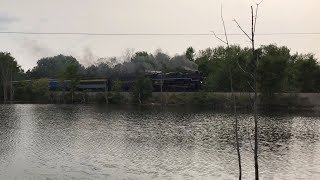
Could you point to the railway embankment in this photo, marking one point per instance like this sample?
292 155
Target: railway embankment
303 101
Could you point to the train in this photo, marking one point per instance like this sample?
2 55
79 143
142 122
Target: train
84 85
165 82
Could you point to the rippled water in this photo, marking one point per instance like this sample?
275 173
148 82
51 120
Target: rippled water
89 142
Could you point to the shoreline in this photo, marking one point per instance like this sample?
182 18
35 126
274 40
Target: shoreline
214 100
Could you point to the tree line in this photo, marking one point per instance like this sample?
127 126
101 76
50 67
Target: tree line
279 70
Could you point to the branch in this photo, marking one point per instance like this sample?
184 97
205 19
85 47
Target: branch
256 16
257 61
260 2
242 29
252 28
244 70
224 28
250 85
226 42
219 38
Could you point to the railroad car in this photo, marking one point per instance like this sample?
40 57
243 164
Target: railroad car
177 82
166 82
84 85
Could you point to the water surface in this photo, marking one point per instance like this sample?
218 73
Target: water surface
91 142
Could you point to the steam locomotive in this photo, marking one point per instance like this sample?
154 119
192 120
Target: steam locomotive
166 82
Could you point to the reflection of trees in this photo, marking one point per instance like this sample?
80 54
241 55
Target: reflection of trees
280 130
9 131
56 133
155 142
158 144
291 147
35 137
276 132
180 143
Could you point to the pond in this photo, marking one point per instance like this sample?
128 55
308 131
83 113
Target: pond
109 142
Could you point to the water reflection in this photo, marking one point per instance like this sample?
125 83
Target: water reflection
88 142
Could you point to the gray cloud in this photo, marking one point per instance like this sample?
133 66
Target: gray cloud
6 19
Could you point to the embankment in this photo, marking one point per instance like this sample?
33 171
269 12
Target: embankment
305 101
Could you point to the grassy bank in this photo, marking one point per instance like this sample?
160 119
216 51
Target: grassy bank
305 101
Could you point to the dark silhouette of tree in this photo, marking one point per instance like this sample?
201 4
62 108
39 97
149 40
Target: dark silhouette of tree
273 64
190 53
8 70
53 67
72 78
142 89
307 73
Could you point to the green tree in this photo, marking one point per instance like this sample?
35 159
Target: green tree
23 91
190 53
142 89
52 67
100 70
32 91
116 87
273 70
72 78
8 70
217 64
115 96
40 89
307 73
202 63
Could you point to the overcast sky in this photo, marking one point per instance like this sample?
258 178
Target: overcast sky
147 16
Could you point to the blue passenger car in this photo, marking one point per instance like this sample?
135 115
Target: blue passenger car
84 85
93 85
53 85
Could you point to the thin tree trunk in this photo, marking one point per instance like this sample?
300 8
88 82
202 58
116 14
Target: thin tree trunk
63 95
84 98
254 87
11 89
140 99
226 41
255 108
5 76
106 94
72 94
256 165
167 97
236 123
161 87
5 92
